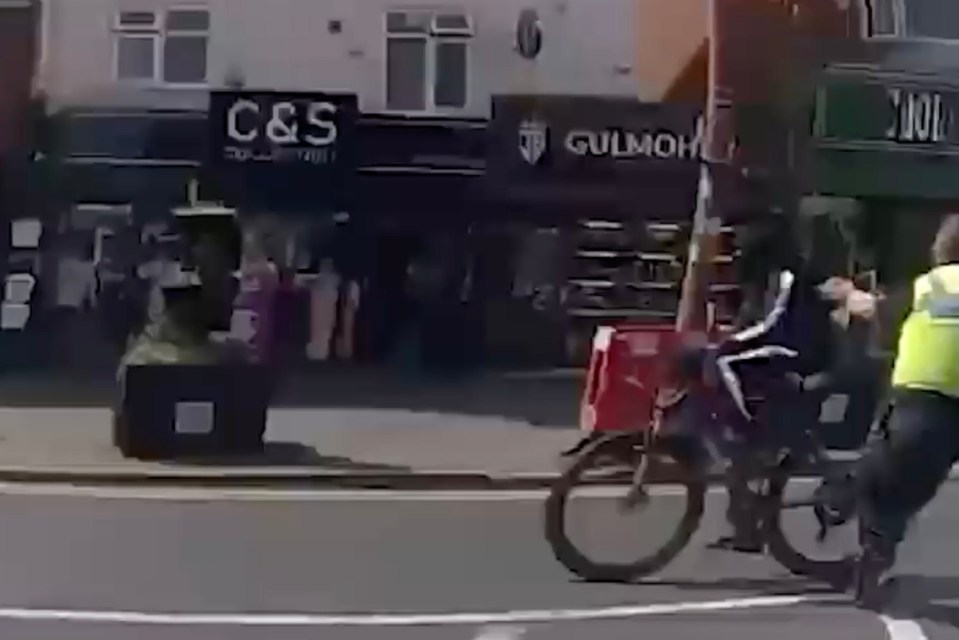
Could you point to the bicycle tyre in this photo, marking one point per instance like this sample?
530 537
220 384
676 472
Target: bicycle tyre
834 571
578 563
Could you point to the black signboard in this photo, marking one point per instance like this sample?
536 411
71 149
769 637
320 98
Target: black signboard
280 128
446 145
587 139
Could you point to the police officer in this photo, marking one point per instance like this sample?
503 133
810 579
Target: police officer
903 472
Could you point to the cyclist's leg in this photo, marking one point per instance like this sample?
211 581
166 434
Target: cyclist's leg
741 516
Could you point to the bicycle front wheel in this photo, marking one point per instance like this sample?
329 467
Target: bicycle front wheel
612 462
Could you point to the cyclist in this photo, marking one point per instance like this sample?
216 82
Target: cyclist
903 472
793 312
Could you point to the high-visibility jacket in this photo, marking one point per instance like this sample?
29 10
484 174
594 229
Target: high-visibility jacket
928 354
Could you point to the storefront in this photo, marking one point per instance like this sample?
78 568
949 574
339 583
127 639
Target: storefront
601 191
391 240
102 193
369 216
18 48
884 158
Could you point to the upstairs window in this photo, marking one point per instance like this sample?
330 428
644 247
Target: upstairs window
165 48
427 60
186 37
934 19
931 19
137 43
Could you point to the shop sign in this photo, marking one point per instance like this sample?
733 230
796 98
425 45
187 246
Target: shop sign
918 116
882 115
533 138
584 136
620 143
256 127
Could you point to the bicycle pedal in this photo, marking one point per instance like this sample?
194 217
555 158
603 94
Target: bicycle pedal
637 497
822 534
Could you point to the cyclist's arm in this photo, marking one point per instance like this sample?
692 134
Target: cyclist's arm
786 281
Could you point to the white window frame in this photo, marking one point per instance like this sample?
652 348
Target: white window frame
144 32
158 32
433 36
166 33
898 19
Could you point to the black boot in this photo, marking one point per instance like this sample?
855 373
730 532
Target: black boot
871 583
742 519
746 536
740 542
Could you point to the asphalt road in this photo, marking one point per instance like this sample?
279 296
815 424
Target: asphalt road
356 566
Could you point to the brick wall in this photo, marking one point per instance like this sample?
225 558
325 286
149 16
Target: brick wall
18 41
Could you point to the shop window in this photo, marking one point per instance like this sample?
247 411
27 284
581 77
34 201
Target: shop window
913 18
168 48
427 60
147 137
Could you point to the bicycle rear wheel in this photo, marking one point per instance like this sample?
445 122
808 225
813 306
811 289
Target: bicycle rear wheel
834 570
627 451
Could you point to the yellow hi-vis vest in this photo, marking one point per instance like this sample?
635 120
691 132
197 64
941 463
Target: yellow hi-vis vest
928 355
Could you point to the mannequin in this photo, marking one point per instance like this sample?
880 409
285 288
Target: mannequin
345 339
323 305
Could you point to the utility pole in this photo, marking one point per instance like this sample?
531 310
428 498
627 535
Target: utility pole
707 220
755 83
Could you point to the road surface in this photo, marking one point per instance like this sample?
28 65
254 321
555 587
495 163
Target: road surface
169 565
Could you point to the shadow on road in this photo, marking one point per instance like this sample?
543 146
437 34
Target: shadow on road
289 454
932 598
781 586
789 586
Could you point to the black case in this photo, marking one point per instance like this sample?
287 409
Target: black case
144 420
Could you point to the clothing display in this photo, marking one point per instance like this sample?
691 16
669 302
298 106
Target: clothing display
76 283
253 312
324 294
346 338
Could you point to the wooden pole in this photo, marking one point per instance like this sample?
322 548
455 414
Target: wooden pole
707 221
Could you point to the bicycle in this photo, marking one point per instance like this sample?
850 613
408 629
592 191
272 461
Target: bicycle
718 409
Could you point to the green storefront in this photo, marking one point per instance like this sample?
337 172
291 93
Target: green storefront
883 164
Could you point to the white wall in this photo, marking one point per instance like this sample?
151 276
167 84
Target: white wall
284 44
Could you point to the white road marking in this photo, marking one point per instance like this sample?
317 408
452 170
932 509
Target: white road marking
225 494
902 629
397 620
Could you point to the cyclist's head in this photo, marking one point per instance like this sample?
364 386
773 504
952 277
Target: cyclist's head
768 244
945 248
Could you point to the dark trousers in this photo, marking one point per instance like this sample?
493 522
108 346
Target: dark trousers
902 471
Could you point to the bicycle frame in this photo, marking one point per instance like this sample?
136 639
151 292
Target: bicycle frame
744 461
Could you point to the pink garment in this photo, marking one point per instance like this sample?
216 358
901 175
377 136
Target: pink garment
324 295
254 308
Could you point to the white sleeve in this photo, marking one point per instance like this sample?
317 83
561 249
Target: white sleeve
786 281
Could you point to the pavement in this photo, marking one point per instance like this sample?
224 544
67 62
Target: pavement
342 447
335 428
170 564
